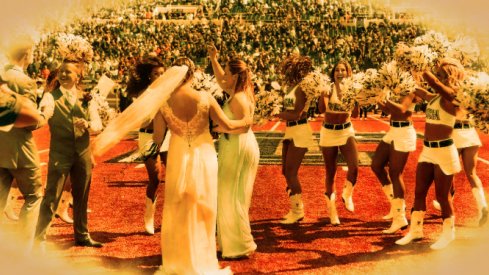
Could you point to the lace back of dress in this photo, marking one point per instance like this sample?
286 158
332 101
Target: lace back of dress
197 125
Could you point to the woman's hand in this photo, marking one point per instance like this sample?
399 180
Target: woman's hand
212 51
249 121
382 96
418 77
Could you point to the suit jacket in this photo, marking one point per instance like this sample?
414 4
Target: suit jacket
9 108
20 83
66 141
17 148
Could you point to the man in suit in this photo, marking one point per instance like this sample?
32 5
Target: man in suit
14 112
19 158
69 155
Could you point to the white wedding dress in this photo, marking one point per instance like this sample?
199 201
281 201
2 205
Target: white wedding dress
188 235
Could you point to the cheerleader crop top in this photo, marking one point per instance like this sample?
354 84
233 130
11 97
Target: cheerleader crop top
436 115
334 103
290 98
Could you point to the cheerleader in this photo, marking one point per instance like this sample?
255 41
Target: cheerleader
438 161
145 73
393 151
297 72
336 135
468 143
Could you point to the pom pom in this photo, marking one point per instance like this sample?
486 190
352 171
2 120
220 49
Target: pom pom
100 111
466 50
350 89
207 83
74 48
436 42
417 58
473 96
315 84
398 81
268 104
372 87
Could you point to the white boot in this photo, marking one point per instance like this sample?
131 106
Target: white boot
331 205
389 193
9 205
399 220
448 234
149 215
64 204
415 230
296 212
480 199
347 196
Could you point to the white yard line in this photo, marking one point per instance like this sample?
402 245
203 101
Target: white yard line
275 126
483 160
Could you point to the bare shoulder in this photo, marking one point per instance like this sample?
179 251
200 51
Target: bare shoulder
241 98
299 93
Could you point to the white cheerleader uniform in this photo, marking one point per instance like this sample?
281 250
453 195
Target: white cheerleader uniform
403 134
440 152
335 134
299 131
464 135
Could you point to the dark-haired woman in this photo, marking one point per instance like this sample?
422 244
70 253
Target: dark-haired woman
298 74
238 160
336 135
393 151
147 71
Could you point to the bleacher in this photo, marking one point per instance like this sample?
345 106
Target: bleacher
260 35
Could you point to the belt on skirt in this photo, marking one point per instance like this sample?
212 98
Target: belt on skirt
296 122
145 130
400 124
438 143
462 125
337 126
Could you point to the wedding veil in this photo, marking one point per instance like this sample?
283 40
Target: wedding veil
143 108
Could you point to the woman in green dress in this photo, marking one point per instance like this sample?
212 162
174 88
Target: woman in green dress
238 160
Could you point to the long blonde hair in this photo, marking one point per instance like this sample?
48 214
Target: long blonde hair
454 71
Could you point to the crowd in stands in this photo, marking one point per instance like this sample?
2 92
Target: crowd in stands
321 29
254 9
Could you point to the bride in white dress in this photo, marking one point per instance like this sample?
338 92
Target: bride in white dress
188 237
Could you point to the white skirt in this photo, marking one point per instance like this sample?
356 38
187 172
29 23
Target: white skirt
445 157
404 138
301 135
467 137
330 138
